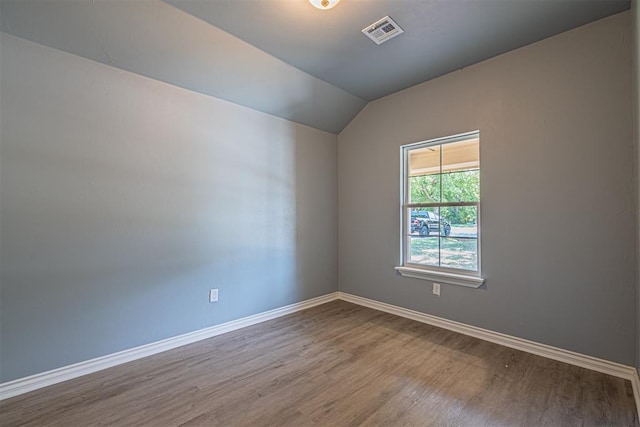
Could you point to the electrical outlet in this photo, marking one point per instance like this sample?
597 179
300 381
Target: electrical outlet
436 289
213 295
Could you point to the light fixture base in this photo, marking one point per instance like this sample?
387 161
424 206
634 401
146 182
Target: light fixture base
324 4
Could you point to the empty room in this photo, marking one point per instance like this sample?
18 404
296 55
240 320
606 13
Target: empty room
319 212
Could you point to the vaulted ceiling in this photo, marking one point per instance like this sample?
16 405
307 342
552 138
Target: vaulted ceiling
286 58
440 36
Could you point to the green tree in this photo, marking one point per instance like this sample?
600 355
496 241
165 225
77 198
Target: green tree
458 186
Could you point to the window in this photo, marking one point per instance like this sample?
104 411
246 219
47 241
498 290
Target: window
441 210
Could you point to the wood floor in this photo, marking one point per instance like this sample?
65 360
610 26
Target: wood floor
337 364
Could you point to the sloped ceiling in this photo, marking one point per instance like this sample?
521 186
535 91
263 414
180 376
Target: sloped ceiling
440 35
286 58
157 40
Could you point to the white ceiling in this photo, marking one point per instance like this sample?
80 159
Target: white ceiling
286 58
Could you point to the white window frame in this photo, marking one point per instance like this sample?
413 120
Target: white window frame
453 276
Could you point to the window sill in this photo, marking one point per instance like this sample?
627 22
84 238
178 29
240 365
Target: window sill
441 277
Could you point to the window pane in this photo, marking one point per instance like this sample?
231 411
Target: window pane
424 188
461 174
425 221
424 161
462 221
424 175
424 250
461 156
461 186
459 253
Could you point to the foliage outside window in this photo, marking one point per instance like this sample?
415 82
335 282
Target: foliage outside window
441 205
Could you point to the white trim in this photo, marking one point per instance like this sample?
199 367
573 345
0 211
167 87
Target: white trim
441 276
635 383
44 379
566 356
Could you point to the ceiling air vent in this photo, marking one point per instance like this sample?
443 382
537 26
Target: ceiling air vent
382 30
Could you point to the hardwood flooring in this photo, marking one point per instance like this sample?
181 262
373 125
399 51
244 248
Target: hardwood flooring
337 364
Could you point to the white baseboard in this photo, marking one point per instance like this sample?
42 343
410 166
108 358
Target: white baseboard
566 356
44 379
635 383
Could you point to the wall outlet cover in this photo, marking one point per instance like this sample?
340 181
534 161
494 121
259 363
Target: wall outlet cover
436 289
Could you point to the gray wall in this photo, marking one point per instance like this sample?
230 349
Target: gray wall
557 179
124 200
